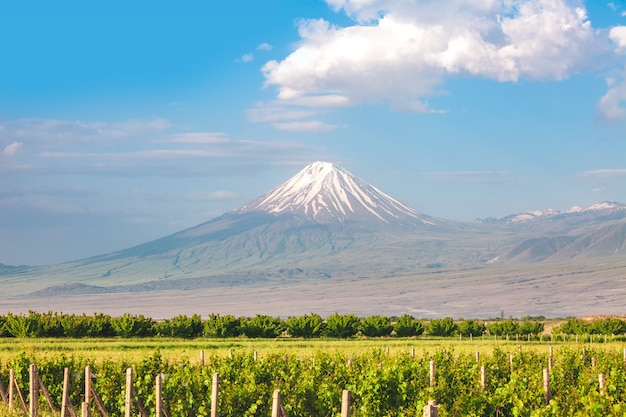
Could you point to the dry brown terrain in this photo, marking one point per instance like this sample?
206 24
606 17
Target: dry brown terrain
554 291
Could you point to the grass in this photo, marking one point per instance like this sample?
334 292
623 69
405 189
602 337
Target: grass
173 349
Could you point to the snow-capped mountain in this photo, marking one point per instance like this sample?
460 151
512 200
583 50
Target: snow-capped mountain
326 193
324 223
605 207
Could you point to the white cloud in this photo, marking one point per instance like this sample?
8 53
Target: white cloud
269 112
201 138
470 176
618 35
54 131
400 51
603 174
245 58
610 105
12 148
314 126
264 47
211 196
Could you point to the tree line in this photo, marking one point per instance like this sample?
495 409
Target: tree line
35 324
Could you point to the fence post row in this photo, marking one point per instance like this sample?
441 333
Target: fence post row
278 410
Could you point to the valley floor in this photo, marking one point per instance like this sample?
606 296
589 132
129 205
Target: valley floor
552 291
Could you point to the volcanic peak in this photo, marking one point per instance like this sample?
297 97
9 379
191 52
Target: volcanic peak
324 192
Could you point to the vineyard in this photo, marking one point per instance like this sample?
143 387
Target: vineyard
510 380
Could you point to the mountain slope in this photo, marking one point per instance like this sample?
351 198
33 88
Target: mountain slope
604 241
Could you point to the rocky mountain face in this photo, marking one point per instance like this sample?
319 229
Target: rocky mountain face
323 223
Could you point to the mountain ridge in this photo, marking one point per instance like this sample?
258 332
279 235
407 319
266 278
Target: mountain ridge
325 223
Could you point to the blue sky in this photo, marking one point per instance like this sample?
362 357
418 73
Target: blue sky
124 121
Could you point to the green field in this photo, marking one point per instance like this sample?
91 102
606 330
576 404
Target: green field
386 376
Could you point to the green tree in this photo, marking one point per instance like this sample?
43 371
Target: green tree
181 326
24 325
407 326
504 327
305 326
530 327
471 327
608 326
263 326
442 327
75 326
222 326
376 326
343 326
133 326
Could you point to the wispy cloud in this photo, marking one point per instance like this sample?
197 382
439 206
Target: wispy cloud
245 58
58 147
304 126
264 47
54 131
602 174
264 112
12 148
469 176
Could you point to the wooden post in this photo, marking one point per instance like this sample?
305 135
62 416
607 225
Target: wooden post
483 377
201 357
460 337
584 356
511 362
86 411
413 353
471 337
345 403
602 384
546 385
128 402
477 357
11 378
276 403
159 395
432 373
430 409
256 356
85 408
593 362
550 358
66 391
215 394
387 351
34 391
529 337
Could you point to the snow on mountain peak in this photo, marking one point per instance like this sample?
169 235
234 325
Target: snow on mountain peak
535 214
324 192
